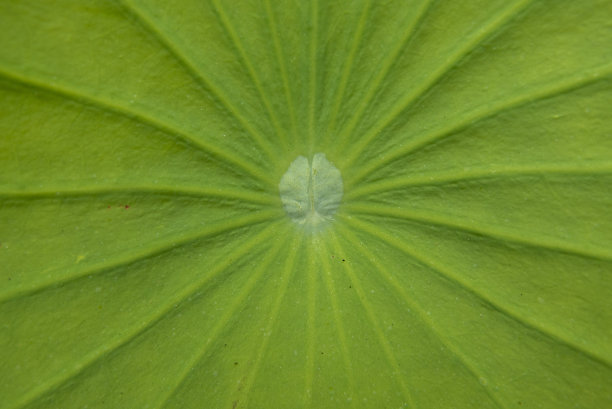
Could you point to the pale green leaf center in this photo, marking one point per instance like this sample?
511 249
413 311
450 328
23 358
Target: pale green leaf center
311 191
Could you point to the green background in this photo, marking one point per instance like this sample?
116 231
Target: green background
146 260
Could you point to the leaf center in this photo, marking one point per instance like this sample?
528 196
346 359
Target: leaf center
311 191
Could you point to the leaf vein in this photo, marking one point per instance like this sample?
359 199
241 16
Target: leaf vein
444 273
382 339
140 117
152 27
50 385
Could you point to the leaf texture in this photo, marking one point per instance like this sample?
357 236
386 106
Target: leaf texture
146 259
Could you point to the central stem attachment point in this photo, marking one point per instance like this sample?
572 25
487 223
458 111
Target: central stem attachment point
311 191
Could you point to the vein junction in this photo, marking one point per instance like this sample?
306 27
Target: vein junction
311 191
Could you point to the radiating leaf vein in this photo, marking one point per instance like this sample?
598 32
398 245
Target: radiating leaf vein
109 106
48 386
165 39
443 272
400 377
230 313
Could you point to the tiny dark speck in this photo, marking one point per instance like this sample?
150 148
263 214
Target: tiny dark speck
343 260
235 363
127 207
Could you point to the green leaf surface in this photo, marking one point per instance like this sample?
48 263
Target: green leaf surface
148 261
